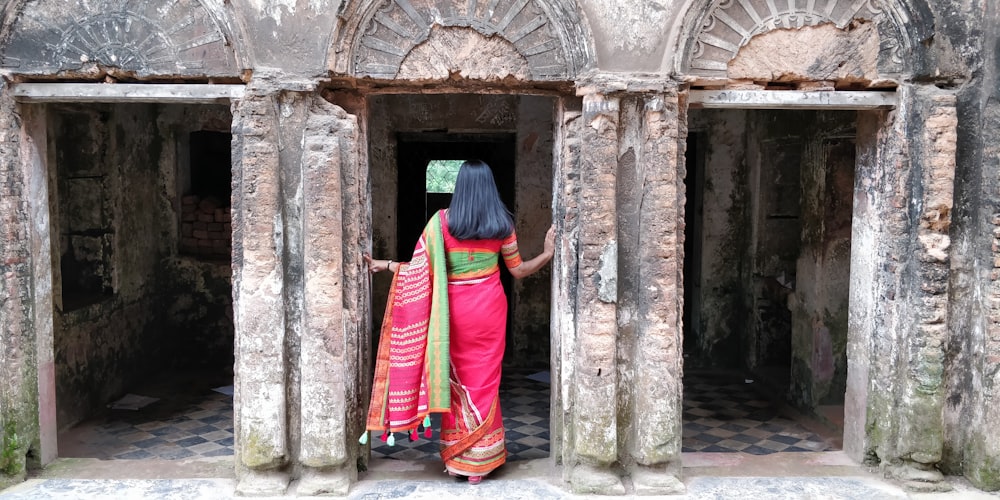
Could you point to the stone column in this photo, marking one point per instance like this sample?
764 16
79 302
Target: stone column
565 272
619 342
34 158
260 400
933 141
593 390
899 286
18 357
335 316
655 433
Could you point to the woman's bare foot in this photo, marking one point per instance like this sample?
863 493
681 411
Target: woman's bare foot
475 479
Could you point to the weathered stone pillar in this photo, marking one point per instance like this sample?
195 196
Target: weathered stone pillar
620 207
34 156
593 387
656 409
260 399
301 225
18 388
335 315
565 272
898 324
934 141
27 370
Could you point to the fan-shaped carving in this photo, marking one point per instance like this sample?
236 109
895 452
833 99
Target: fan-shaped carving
728 25
172 37
380 34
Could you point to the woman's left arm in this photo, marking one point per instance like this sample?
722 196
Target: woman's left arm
529 267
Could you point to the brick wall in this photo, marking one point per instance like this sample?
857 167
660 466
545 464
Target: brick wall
206 227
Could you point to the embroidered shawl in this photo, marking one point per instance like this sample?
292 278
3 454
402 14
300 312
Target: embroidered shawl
412 365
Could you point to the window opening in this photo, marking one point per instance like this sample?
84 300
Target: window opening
206 221
441 175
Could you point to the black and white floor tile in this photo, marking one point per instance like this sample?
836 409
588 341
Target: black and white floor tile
726 414
202 428
721 414
525 407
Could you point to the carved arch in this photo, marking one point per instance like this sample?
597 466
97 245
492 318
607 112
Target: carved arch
375 36
714 31
177 37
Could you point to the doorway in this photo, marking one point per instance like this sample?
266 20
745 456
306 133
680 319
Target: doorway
417 150
514 134
140 230
767 271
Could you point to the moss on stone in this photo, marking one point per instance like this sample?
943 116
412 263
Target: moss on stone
982 469
257 452
987 475
11 455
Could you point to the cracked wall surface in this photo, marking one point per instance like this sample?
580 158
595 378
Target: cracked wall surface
595 95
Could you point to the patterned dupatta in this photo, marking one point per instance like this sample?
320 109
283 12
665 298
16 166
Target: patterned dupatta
411 371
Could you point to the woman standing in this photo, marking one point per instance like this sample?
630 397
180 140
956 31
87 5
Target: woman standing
443 335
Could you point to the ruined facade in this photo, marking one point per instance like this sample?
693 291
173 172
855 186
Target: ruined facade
803 190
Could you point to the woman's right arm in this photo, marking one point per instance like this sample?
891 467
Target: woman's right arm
529 267
379 265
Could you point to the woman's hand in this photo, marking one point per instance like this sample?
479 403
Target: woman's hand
550 241
376 265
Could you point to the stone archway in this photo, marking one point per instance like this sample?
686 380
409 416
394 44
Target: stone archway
88 40
714 32
536 40
895 393
188 37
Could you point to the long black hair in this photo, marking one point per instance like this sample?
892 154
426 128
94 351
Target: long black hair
476 211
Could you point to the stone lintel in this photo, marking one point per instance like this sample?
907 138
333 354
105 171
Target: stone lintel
792 99
127 92
611 83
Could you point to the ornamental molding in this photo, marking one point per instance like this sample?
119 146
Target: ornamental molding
721 29
174 37
376 36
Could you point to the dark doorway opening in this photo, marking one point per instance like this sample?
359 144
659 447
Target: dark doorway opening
693 213
417 205
417 150
139 201
766 278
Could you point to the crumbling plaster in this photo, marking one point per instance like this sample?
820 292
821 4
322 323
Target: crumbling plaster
271 121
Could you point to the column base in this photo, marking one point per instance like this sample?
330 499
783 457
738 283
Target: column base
597 480
918 477
656 481
263 483
333 482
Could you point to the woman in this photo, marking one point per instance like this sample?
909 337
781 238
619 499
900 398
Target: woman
442 339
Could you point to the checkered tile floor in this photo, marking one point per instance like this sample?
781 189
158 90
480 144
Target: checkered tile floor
171 429
525 405
725 414
721 414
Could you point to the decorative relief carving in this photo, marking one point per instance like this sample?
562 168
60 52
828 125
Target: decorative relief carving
391 29
496 112
728 25
174 37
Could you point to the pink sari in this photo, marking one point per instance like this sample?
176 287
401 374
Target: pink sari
472 434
